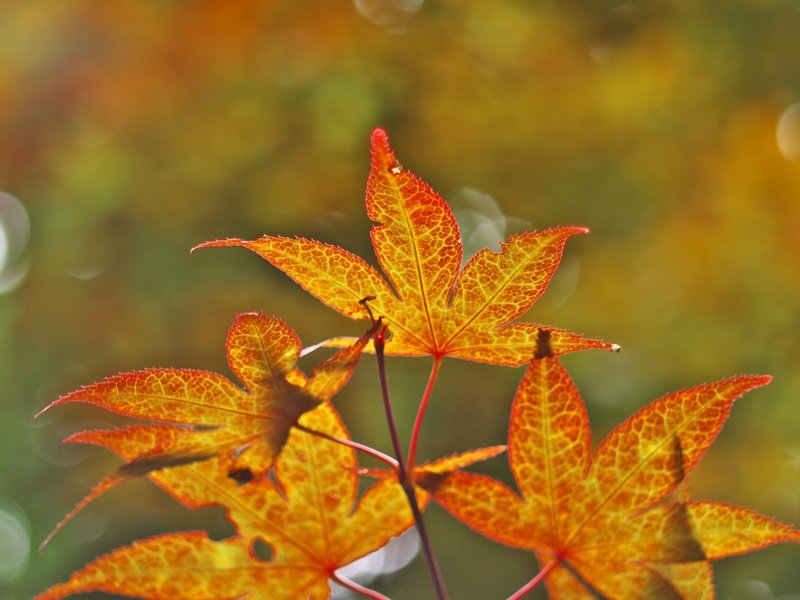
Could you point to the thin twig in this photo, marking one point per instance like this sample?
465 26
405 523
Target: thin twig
423 405
427 546
355 445
536 580
379 342
403 473
349 583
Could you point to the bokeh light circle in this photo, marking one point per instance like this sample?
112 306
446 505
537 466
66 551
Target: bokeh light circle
14 541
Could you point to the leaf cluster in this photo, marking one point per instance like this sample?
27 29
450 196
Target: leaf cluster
616 523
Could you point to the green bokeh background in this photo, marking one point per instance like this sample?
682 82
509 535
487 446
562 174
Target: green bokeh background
132 130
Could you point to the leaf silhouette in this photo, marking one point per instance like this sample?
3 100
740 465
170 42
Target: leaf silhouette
430 308
612 521
309 517
253 423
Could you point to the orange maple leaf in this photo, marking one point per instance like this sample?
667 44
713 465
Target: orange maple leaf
309 516
254 423
608 524
431 308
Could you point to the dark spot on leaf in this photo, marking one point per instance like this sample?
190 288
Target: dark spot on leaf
241 476
543 347
677 450
430 482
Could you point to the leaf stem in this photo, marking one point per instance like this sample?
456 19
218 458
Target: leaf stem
349 583
406 481
355 445
379 342
423 405
536 580
425 541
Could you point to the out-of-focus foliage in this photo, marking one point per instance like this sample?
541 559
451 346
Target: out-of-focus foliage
132 130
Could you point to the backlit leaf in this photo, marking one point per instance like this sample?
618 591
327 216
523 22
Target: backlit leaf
254 423
429 306
610 518
309 516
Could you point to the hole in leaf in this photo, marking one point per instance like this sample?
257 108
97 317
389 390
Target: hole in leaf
241 476
261 550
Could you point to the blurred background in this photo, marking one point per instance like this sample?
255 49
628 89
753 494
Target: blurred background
132 130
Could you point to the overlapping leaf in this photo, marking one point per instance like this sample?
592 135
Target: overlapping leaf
612 521
442 467
429 306
310 519
255 422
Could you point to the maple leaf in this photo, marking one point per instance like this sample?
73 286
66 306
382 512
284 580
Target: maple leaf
429 306
308 516
610 522
254 423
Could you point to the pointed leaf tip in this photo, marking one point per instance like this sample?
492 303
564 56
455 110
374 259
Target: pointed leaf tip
45 409
575 229
109 482
217 243
379 136
382 153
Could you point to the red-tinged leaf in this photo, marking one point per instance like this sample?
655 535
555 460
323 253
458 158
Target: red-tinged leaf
310 517
459 461
429 307
608 518
254 423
